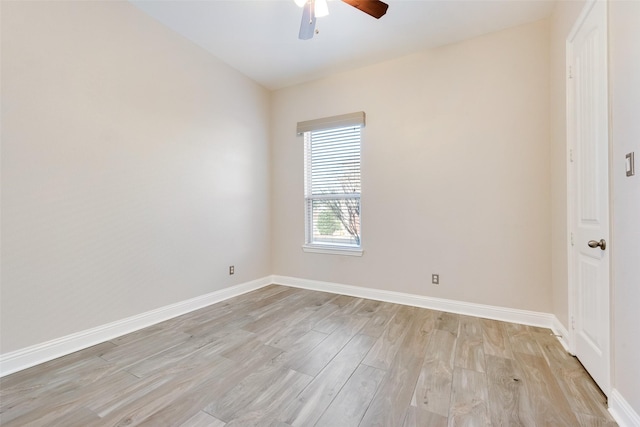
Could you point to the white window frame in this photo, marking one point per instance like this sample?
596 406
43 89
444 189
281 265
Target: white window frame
304 128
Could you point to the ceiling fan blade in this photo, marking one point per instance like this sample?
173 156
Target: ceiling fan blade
308 23
375 8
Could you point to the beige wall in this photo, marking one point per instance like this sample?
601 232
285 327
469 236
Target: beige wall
624 75
455 164
134 169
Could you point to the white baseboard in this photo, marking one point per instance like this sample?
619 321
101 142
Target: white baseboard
621 411
524 317
40 353
562 334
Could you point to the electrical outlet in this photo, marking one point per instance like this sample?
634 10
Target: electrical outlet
231 269
435 279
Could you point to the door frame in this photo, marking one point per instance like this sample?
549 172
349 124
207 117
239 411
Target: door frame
571 191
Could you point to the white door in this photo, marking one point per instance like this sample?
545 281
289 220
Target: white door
589 211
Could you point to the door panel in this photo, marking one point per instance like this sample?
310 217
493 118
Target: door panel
591 314
588 106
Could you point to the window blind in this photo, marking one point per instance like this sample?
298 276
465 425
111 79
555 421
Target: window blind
335 161
332 186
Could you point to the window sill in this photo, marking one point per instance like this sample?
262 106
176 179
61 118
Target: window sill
332 250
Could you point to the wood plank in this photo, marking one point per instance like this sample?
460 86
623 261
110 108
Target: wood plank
307 408
79 417
202 419
315 361
506 392
296 305
416 417
212 384
545 401
521 339
244 353
159 393
204 314
368 308
386 347
259 294
583 394
193 347
77 373
380 319
24 407
261 422
495 339
469 345
394 395
430 319
591 421
271 330
347 303
242 313
300 349
447 322
346 307
433 388
172 390
65 403
264 308
349 406
553 352
469 399
129 353
259 392
288 335
267 407
138 402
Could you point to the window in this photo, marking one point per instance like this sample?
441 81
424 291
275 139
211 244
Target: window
332 184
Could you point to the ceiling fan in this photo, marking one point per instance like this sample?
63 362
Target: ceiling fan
313 9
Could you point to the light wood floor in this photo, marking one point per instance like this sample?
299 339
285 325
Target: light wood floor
289 357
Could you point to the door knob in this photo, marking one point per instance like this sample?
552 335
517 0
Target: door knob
594 244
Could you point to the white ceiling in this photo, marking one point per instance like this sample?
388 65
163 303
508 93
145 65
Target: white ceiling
260 37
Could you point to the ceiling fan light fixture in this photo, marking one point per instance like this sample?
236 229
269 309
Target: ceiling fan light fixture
313 9
321 8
